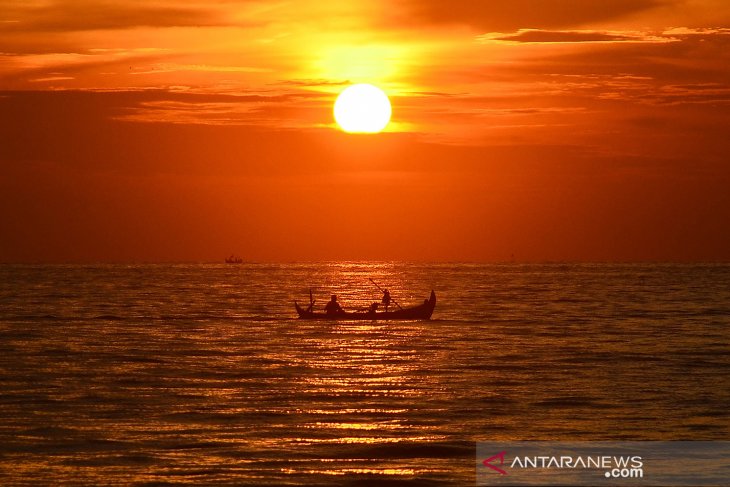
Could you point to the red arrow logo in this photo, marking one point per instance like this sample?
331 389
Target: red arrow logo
488 462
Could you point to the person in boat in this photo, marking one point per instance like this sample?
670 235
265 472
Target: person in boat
386 299
333 307
373 308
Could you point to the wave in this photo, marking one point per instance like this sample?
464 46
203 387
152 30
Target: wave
204 317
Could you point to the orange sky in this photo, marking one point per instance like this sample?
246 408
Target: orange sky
169 130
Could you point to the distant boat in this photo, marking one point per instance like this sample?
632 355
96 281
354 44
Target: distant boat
234 260
419 312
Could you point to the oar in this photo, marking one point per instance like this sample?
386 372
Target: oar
311 300
381 290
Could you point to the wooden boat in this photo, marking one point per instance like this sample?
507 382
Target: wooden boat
420 312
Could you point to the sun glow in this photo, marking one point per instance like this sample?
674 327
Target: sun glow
362 108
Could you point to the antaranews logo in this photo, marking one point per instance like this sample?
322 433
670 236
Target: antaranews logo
591 463
611 465
500 456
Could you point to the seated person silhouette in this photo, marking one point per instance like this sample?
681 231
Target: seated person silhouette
333 307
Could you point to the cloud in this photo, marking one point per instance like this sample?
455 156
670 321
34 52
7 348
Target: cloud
685 60
715 94
80 15
505 15
571 36
18 70
312 83
687 31
174 68
282 110
51 78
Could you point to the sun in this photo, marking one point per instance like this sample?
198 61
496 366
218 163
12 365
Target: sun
362 108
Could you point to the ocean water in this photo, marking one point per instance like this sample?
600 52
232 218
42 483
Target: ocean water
200 374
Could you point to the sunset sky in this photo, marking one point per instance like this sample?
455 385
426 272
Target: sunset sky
171 130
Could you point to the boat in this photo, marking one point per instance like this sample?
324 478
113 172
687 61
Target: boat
234 260
419 312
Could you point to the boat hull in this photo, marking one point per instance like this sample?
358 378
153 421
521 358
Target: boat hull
420 312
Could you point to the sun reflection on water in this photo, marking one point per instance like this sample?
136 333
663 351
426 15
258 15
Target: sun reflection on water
367 363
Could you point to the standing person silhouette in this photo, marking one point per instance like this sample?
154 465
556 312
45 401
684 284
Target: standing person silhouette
333 307
386 299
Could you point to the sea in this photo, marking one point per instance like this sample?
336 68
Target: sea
201 374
